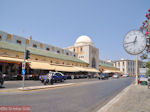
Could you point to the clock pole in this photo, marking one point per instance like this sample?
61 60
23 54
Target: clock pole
136 69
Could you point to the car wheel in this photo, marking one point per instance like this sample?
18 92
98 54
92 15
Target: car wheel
51 82
42 81
45 82
1 83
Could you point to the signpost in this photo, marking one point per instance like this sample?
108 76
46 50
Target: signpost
23 71
26 56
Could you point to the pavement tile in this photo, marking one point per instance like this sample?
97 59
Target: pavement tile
136 99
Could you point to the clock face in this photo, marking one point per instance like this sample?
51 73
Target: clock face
134 42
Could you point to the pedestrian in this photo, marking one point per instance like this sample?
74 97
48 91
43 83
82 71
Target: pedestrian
148 82
72 76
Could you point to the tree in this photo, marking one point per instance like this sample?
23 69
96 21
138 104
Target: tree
148 66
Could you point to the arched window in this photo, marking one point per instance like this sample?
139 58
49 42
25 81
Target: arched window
81 49
34 45
47 49
0 37
93 63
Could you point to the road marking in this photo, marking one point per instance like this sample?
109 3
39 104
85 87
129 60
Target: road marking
8 90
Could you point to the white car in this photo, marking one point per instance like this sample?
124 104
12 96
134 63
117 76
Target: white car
115 76
125 75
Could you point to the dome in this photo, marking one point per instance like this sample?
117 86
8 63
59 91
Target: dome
83 40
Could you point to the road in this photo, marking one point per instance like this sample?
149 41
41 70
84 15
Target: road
28 83
85 97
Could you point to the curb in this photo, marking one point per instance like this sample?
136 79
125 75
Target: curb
45 87
115 99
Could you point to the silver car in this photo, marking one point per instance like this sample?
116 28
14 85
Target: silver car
115 76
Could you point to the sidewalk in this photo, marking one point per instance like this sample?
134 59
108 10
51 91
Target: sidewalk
132 99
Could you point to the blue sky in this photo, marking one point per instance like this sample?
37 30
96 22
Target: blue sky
61 22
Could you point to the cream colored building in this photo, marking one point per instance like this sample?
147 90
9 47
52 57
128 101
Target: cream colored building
128 66
86 51
43 57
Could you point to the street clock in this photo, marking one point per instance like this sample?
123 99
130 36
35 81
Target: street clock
134 42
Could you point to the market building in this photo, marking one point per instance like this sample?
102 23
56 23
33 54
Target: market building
44 57
108 67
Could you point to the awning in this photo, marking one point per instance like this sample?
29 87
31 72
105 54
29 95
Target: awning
107 69
41 66
11 59
87 69
65 68
112 71
93 70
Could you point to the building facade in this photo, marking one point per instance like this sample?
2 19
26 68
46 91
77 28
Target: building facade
43 57
128 66
14 39
108 67
86 51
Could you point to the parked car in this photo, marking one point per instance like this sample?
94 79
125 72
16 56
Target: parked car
60 77
125 75
1 79
56 76
103 76
115 76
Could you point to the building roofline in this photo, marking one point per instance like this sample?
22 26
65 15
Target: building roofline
19 48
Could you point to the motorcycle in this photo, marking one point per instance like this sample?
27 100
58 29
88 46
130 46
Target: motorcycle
48 81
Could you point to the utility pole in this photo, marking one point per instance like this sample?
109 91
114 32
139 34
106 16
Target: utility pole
136 69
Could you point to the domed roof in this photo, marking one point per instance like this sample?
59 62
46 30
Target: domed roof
83 40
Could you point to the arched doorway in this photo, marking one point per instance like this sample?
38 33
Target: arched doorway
93 63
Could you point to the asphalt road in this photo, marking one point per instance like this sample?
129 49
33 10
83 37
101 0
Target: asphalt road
28 83
86 97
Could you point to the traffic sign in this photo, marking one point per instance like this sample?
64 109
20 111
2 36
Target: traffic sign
23 65
23 71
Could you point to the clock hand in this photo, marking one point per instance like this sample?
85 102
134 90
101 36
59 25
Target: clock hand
135 39
129 42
